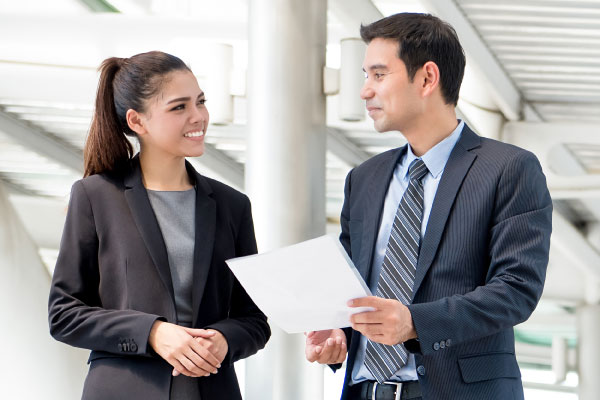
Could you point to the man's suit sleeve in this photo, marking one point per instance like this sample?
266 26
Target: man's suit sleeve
519 240
246 329
75 313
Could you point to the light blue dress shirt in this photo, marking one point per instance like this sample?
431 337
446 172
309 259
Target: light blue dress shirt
435 160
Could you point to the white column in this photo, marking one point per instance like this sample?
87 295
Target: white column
285 166
351 106
588 331
33 366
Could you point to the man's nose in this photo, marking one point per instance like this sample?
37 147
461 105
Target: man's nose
366 92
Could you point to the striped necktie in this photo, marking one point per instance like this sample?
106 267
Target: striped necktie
398 270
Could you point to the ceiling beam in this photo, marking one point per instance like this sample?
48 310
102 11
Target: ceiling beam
500 85
15 188
575 247
543 139
344 149
100 6
37 140
223 165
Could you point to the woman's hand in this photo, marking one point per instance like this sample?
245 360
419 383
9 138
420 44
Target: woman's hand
215 344
177 345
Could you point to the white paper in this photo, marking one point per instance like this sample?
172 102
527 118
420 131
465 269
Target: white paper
303 287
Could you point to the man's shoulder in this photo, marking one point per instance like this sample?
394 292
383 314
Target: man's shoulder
500 152
376 161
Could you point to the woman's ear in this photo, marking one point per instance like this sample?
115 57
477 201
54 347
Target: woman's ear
135 121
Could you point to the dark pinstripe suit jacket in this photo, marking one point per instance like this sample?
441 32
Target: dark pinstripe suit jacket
112 281
481 268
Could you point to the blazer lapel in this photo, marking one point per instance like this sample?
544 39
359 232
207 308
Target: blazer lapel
145 220
456 169
206 219
378 187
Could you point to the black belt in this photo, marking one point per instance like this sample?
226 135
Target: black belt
370 390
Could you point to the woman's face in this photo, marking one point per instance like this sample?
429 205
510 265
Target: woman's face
176 119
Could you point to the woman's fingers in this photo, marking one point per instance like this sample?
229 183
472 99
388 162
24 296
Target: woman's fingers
207 356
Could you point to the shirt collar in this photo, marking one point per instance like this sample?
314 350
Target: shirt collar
437 157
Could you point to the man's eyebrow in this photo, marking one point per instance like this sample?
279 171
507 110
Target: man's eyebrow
376 66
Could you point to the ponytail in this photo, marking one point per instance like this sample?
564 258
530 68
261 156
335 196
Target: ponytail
125 83
106 147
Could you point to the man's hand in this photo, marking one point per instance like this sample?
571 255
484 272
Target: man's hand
390 323
177 345
326 347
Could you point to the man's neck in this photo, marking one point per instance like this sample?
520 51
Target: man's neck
428 131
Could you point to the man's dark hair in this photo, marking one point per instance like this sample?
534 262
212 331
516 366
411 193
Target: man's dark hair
422 38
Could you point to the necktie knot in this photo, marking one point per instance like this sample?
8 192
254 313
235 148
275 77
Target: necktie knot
417 169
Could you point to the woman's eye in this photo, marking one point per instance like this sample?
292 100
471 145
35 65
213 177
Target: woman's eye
179 107
201 102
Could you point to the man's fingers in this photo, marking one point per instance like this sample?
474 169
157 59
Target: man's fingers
368 329
368 317
369 301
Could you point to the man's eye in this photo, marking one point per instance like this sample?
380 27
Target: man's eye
201 102
379 76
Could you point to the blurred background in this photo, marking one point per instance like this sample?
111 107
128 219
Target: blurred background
282 79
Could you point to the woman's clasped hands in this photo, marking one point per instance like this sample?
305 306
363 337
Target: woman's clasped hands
191 352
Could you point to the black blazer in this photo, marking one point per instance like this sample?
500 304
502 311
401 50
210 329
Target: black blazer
481 267
112 282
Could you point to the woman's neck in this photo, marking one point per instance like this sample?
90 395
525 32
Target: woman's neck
164 173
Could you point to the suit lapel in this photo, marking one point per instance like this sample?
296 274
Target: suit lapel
205 217
378 187
456 169
145 220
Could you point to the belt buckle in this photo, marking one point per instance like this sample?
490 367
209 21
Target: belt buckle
397 393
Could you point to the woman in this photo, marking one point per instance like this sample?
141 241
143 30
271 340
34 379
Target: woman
141 278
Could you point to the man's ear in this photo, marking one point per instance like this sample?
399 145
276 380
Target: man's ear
135 121
430 78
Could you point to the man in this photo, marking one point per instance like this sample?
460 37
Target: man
451 232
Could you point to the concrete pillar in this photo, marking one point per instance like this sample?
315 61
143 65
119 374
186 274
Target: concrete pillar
352 79
560 358
588 331
33 365
285 166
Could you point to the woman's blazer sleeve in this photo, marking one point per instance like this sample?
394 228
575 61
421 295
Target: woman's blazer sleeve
246 329
75 312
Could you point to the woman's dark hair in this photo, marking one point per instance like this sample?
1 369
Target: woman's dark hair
125 83
422 38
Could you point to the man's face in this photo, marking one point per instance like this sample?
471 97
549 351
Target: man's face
391 99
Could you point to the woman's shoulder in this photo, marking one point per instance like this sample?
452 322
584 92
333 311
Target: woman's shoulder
222 191
99 183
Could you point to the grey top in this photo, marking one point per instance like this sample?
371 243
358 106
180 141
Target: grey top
175 212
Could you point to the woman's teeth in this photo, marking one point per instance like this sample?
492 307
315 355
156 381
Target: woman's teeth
194 134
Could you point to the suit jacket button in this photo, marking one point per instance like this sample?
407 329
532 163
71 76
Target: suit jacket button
442 345
436 346
448 342
421 370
